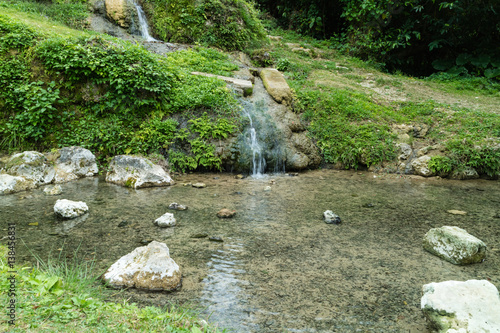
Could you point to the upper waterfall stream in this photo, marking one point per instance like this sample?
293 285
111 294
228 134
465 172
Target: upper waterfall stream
143 24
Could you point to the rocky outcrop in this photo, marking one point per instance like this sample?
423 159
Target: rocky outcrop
166 220
12 184
68 209
122 12
455 245
245 87
31 165
421 166
276 85
136 172
456 306
73 163
148 267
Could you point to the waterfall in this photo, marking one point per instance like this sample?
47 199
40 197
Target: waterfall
143 24
258 160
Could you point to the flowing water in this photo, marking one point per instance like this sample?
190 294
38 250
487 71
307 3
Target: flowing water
143 24
280 268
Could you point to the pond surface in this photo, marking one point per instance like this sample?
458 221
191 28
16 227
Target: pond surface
280 268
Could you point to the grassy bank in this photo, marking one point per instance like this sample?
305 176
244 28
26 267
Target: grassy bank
355 111
65 296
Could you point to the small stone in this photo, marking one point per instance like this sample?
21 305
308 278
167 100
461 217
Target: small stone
70 209
176 206
215 239
52 190
226 213
166 220
331 218
294 174
187 184
199 235
239 176
123 224
145 241
199 185
272 181
267 188
457 212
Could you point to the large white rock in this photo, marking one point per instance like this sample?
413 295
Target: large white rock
166 220
11 184
73 163
455 306
31 165
454 245
148 267
421 166
136 172
70 209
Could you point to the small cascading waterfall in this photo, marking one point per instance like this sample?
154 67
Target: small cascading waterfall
258 160
143 24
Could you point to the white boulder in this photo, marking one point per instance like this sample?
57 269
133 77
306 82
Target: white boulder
31 165
456 306
455 245
74 163
136 172
12 184
70 209
166 220
148 267
421 166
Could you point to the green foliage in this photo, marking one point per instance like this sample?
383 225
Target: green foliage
227 24
202 59
71 13
207 129
484 159
441 165
14 35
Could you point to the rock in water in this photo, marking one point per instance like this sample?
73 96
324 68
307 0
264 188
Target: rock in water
73 163
166 220
454 245
148 267
226 213
31 165
12 184
331 218
199 185
52 190
136 172
456 306
176 206
70 209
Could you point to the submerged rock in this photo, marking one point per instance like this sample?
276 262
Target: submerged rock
31 165
166 220
226 213
12 184
331 218
136 172
456 306
70 209
53 190
73 163
148 267
455 245
199 185
176 206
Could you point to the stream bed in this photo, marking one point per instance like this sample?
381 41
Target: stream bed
280 268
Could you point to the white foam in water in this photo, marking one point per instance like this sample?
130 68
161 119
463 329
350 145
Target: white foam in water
143 23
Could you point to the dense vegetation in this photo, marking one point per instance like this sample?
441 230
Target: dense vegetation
227 24
112 97
416 36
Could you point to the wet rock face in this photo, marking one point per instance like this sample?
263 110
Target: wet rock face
456 306
136 172
149 267
122 12
68 209
455 245
73 163
31 165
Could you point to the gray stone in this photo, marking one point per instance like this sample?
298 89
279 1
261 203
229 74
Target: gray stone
136 172
166 220
331 218
421 166
12 184
70 209
455 245
199 185
405 151
176 206
31 165
73 163
52 190
461 307
148 267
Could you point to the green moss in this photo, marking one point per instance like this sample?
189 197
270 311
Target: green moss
131 182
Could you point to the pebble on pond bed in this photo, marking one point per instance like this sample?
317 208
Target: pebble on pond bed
331 218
